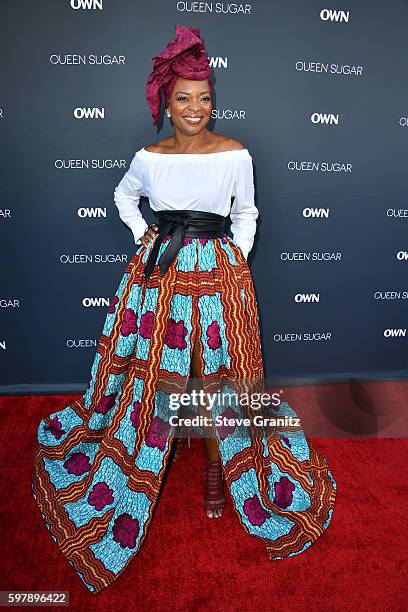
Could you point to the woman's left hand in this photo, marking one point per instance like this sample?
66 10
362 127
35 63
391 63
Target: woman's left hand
149 235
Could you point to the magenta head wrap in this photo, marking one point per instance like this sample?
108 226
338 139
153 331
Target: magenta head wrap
184 56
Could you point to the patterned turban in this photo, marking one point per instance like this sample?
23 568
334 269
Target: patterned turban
184 56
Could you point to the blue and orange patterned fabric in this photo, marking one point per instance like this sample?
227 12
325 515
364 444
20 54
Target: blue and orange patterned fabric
100 461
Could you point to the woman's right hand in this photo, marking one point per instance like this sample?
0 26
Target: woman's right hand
149 235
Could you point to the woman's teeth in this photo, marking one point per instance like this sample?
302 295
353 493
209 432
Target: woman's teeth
193 119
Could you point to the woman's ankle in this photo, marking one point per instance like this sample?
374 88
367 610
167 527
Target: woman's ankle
214 497
213 452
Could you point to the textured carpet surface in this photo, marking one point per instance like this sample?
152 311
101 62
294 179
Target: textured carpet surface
189 562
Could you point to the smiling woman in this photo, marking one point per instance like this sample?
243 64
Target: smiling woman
184 309
189 107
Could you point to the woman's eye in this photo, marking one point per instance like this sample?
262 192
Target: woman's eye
182 98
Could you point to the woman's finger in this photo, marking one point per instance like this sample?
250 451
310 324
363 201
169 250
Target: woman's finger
150 234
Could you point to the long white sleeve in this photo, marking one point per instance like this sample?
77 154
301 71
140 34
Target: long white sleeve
127 196
243 210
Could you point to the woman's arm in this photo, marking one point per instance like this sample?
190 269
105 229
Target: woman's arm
243 210
127 197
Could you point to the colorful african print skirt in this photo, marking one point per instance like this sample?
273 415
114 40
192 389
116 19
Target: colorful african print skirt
100 461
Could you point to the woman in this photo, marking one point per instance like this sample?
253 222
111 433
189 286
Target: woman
185 310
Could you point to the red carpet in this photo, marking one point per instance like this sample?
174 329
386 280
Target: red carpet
189 562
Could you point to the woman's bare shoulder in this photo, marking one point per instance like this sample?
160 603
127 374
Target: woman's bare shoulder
226 143
231 144
160 147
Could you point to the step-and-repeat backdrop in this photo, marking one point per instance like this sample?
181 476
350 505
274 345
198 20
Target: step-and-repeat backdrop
318 94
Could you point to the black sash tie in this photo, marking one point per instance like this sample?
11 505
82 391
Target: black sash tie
180 224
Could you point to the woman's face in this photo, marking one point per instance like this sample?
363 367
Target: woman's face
190 105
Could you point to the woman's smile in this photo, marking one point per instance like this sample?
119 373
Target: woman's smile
193 119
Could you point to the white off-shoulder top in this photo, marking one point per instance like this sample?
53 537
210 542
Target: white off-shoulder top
191 181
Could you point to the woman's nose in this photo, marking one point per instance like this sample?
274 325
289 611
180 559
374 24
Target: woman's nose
194 106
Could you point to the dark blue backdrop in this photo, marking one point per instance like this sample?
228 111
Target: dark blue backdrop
319 97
